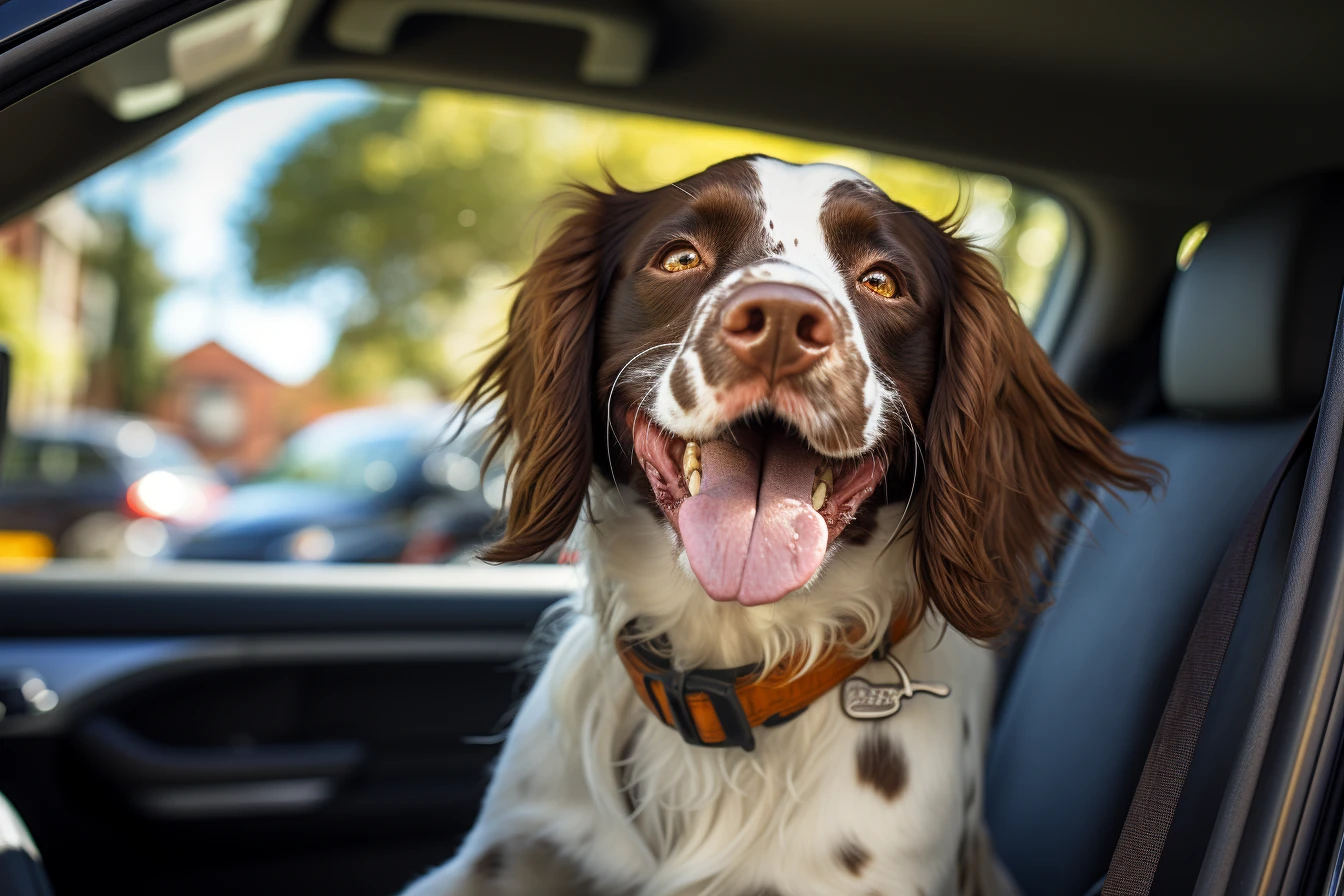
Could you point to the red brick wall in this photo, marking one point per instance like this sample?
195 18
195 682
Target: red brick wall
270 411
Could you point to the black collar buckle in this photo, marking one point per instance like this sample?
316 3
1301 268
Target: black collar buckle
720 687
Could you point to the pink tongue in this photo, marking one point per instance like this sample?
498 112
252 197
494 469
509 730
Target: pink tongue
751 534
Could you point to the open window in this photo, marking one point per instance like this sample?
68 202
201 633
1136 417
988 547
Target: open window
257 325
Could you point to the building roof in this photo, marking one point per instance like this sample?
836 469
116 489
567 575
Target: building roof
210 359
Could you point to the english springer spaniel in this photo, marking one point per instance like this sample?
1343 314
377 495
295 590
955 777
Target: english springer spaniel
819 456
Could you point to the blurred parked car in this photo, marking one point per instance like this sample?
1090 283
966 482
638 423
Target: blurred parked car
381 484
100 485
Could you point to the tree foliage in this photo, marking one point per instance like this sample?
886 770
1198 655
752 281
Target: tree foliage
431 199
19 296
132 365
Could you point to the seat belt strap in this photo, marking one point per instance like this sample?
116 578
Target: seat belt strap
1144 835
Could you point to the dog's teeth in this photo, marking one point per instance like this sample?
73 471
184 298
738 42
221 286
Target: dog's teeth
690 461
821 487
693 483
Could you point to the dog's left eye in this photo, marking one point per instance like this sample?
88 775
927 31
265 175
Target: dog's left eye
880 282
682 259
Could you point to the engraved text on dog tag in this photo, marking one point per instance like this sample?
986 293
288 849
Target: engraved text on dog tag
861 699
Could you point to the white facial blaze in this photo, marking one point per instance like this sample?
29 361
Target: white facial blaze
792 198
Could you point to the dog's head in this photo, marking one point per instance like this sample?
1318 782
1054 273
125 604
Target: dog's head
764 352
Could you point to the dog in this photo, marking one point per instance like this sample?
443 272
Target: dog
818 456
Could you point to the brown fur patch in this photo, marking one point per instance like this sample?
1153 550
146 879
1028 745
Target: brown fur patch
680 381
853 856
1006 439
537 866
882 765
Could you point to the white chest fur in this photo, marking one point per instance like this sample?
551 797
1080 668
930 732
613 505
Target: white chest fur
593 794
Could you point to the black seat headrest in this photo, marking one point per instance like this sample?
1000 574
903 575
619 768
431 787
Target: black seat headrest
1250 323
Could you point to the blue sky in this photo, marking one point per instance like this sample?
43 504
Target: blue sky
188 195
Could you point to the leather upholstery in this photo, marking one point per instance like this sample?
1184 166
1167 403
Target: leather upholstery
1077 719
1248 326
1246 343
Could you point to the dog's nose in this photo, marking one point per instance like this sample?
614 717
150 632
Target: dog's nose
779 330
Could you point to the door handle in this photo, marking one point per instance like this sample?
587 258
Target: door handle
176 781
135 761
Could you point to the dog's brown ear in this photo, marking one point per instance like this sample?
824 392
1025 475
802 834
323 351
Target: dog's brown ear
541 375
1006 442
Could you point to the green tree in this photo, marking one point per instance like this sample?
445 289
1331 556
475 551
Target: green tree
18 321
132 367
367 195
431 199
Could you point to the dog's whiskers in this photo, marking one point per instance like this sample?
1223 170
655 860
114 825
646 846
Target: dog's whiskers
914 474
648 423
611 466
684 190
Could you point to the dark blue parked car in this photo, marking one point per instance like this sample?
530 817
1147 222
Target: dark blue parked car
101 485
382 484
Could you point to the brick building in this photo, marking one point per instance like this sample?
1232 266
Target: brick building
235 415
56 312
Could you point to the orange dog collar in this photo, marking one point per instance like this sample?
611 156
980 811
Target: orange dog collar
720 707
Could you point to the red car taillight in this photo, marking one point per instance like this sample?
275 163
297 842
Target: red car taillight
163 495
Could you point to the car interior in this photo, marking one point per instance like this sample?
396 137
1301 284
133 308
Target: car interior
326 728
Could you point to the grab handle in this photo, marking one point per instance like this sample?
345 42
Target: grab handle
617 54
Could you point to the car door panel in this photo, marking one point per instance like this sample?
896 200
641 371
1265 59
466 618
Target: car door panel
255 734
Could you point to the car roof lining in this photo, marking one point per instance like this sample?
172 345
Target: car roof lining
1186 108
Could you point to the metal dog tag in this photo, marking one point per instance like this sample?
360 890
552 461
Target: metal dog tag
863 700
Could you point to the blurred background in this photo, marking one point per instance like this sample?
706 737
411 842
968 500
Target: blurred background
244 342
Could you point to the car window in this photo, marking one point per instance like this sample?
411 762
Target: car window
266 316
356 461
52 463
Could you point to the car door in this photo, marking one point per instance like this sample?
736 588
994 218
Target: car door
223 730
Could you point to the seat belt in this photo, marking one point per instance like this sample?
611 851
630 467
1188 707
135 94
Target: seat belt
1144 835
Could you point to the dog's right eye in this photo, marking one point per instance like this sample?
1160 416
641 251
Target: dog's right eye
680 259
